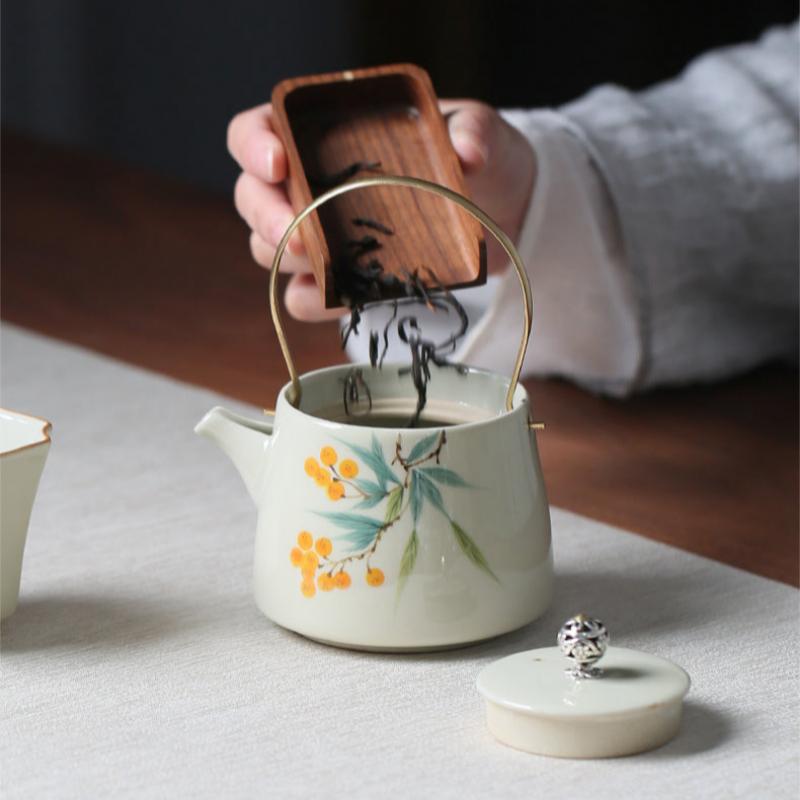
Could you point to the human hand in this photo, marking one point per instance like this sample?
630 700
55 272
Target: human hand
498 163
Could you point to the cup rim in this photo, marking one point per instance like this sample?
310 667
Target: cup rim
521 398
44 432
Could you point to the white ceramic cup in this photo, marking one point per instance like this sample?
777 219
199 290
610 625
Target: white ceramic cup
24 444
396 538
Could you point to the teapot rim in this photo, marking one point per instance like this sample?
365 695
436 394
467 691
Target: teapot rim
37 428
521 399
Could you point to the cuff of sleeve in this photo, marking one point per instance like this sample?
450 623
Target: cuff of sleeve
585 324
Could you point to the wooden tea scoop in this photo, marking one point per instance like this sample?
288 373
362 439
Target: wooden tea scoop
364 123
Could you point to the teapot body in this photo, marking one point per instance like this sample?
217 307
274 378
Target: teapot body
403 538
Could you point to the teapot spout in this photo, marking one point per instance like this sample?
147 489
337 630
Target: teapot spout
244 440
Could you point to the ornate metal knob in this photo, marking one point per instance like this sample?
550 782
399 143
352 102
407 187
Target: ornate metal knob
583 640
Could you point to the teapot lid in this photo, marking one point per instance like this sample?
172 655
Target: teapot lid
630 704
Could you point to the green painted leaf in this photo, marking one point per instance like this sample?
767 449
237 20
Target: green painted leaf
346 519
444 476
368 487
471 550
385 471
407 561
376 461
415 498
423 446
370 501
358 540
373 491
394 504
430 492
361 530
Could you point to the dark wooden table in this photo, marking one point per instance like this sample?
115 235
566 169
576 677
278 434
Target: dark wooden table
158 274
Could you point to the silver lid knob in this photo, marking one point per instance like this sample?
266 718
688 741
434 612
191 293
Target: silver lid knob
584 641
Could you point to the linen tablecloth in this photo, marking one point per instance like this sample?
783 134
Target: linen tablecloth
137 664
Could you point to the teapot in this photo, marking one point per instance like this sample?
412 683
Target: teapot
372 535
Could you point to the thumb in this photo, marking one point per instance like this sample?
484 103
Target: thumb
472 128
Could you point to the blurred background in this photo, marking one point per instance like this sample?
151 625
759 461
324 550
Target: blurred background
119 233
154 83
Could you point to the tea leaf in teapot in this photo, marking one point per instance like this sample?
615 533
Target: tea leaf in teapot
356 392
471 550
359 286
424 351
373 347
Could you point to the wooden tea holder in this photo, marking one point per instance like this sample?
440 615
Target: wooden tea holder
389 115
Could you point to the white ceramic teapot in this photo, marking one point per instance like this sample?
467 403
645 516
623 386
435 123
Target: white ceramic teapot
394 538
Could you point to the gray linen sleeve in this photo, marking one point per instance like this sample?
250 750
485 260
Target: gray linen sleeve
703 173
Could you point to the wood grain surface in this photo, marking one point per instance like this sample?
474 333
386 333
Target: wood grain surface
158 274
389 116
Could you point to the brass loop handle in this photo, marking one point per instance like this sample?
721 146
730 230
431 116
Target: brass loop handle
425 186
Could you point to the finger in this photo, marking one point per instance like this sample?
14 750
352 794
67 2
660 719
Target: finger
264 253
255 146
265 208
471 126
304 301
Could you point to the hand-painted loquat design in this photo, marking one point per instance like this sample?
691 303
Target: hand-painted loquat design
327 477
407 491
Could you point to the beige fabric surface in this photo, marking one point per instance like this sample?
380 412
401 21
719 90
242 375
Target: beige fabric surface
138 666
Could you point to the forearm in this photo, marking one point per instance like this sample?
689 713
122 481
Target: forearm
703 172
585 324
661 239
